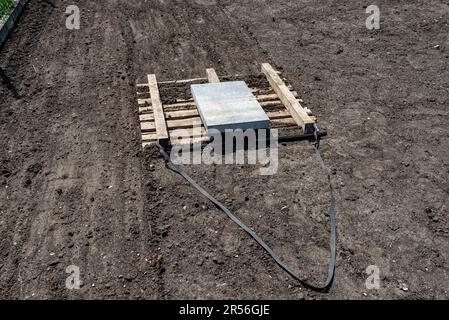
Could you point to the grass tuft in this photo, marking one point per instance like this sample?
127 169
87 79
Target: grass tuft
4 6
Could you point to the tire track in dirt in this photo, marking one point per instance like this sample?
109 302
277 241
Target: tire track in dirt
87 210
182 43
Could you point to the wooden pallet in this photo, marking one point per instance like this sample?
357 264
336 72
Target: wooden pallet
168 106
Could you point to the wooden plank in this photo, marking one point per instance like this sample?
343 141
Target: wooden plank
272 96
288 99
193 114
142 85
149 137
273 103
142 93
191 103
179 105
147 126
145 109
146 117
191 140
259 91
171 124
182 81
158 111
181 114
212 76
183 123
278 114
172 115
144 101
285 122
191 132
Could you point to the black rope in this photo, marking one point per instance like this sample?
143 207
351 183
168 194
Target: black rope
332 216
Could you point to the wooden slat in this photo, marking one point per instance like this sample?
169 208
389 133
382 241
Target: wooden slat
186 114
291 103
191 132
182 81
171 124
212 76
192 140
141 85
149 137
142 93
172 115
183 123
181 114
285 122
272 96
146 117
145 109
181 103
259 91
159 118
263 101
278 114
171 110
147 126
273 103
144 101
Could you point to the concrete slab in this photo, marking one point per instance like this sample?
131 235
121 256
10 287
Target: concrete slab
229 105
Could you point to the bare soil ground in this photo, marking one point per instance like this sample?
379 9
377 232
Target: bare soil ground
76 189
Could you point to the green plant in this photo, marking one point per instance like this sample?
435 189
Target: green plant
4 6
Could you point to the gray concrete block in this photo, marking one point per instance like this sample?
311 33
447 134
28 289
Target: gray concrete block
229 105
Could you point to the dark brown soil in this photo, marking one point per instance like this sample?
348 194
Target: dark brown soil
76 189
